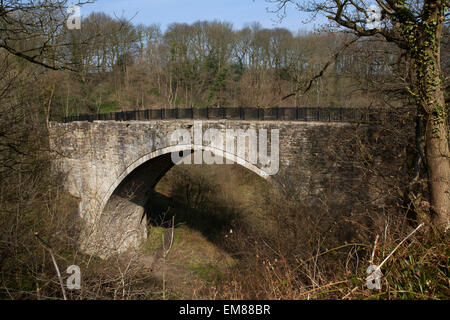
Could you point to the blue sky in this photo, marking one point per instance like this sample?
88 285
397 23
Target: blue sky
164 12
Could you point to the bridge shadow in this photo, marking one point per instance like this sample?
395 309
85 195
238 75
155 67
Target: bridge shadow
209 199
213 221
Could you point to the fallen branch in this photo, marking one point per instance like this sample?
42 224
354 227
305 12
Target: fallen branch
401 242
50 250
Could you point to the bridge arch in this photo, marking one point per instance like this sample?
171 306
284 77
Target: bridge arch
121 221
168 151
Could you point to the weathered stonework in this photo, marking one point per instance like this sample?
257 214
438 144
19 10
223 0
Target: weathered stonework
112 167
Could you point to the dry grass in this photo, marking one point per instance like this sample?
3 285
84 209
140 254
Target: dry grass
306 255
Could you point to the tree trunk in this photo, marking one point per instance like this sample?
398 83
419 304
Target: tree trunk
438 167
429 93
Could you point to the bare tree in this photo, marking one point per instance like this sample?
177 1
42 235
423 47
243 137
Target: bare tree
35 30
416 28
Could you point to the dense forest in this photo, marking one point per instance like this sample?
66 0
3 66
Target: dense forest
114 65
119 66
260 242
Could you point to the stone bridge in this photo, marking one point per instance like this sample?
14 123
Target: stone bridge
112 166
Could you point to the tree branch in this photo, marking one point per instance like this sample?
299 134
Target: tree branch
325 67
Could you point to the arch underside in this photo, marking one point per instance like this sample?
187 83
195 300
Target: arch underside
122 222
